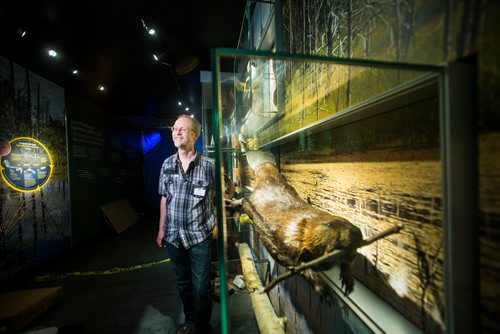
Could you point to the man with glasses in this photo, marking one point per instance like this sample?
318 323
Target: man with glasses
187 219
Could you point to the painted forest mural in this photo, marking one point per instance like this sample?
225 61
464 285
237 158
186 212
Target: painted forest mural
420 32
34 225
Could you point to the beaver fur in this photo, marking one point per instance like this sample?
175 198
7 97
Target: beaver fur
292 230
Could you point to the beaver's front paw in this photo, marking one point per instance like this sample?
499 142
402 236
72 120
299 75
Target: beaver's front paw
346 278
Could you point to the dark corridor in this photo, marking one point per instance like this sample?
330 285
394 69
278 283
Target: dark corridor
122 283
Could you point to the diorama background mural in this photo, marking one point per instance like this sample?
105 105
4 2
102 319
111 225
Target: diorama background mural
423 32
386 169
34 226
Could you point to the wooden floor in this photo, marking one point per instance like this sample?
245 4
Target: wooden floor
123 284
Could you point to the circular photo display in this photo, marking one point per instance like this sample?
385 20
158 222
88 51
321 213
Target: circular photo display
27 166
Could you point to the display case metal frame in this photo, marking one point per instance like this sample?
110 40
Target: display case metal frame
459 170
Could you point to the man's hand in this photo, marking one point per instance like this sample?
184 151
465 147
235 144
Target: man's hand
233 203
159 239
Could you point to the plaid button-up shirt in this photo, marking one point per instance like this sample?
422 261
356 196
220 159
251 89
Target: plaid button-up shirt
190 200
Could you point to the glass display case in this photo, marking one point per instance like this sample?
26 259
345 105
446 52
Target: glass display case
375 143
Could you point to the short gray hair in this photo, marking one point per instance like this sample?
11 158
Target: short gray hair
194 122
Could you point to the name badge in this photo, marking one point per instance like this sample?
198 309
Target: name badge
199 192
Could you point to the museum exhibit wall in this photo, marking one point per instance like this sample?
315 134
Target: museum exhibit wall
105 159
386 169
34 190
50 203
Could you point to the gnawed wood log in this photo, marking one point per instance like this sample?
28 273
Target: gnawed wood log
267 319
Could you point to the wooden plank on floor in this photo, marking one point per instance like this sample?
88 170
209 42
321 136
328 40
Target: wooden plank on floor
19 308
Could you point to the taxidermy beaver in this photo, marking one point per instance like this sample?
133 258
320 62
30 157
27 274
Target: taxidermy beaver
292 230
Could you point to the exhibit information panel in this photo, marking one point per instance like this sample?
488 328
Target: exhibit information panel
27 164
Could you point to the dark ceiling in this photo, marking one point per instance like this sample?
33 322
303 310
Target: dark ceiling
107 41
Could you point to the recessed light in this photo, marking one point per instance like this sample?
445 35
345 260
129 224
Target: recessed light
102 88
52 53
158 56
151 31
75 71
21 32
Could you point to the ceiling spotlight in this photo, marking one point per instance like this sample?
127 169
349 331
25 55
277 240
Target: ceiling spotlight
52 53
192 115
102 88
187 109
158 56
179 103
150 31
75 71
21 32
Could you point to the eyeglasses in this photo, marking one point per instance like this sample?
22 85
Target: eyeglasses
183 130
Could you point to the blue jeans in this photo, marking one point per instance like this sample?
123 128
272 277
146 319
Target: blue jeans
192 268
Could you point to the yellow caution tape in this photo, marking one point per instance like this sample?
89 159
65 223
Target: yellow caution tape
117 270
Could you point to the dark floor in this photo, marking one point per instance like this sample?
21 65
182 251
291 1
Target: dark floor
141 299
